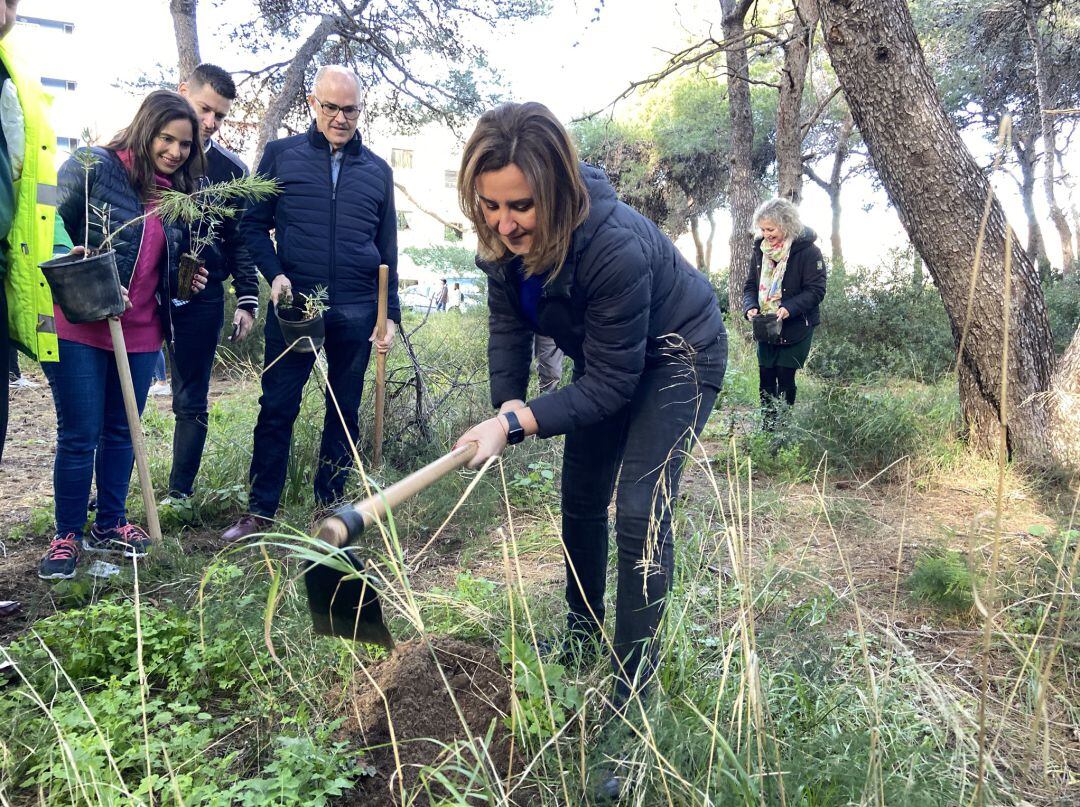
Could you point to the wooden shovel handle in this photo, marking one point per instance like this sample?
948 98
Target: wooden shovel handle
350 521
131 407
380 364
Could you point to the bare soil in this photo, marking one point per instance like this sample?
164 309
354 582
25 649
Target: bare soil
425 718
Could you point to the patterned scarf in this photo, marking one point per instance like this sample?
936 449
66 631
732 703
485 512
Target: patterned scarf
773 265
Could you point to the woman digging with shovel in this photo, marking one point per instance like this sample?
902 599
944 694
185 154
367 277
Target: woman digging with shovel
567 260
119 182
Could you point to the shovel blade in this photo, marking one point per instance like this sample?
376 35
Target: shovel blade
348 608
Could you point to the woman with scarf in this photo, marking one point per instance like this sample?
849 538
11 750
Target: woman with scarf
159 149
786 280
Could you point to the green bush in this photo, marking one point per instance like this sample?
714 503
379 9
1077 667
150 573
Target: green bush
890 326
867 429
1063 309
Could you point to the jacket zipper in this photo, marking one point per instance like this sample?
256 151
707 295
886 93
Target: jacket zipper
333 222
168 287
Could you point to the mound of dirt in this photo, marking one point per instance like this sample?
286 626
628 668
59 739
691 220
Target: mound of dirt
422 712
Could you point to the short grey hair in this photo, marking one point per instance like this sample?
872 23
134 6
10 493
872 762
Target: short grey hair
783 214
337 70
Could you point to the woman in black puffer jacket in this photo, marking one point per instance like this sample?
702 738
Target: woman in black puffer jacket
787 280
566 259
159 149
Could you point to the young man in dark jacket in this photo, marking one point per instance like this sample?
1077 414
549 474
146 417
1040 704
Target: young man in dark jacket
334 222
197 322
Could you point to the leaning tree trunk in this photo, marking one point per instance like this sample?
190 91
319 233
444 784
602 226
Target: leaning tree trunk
789 128
293 84
741 192
187 35
939 192
1065 403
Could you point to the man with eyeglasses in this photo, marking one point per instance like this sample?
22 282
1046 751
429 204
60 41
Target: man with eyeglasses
334 222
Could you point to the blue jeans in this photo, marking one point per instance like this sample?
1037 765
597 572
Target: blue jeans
159 368
348 328
196 328
92 436
643 446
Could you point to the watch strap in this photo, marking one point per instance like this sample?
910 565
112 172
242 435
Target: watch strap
515 433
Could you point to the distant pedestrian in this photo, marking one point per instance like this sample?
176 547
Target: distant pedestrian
441 296
160 378
784 287
16 380
455 298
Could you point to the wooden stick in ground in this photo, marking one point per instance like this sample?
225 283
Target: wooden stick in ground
373 508
135 428
380 364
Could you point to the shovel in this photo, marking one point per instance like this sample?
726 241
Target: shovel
350 607
380 365
135 428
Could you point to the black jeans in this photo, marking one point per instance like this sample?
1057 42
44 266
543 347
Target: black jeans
647 440
775 383
348 328
196 327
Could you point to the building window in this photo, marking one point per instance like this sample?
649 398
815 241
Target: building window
452 232
58 83
401 158
42 22
402 220
67 143
449 178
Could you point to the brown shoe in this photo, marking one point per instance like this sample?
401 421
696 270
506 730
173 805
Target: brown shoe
248 524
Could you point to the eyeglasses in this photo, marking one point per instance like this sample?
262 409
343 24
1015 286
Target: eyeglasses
332 110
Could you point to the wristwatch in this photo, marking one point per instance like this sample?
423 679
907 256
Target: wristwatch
515 434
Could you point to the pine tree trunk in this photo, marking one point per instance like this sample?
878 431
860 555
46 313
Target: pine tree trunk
1024 147
1065 404
699 247
742 193
789 130
187 35
939 193
843 148
1049 138
293 84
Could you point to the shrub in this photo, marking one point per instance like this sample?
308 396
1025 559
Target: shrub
893 326
1063 309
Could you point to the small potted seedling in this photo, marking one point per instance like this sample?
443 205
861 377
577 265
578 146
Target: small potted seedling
301 319
86 286
203 213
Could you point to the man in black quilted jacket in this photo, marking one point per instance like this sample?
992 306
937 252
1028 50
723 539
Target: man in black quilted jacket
334 222
197 322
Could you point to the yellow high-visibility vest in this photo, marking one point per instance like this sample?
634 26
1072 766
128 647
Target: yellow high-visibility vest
30 242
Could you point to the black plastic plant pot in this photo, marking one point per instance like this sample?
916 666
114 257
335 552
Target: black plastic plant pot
86 289
301 335
189 265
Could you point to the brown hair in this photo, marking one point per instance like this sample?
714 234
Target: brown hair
531 138
158 110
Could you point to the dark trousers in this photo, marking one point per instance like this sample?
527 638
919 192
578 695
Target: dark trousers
196 327
348 329
775 383
643 445
92 437
5 346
